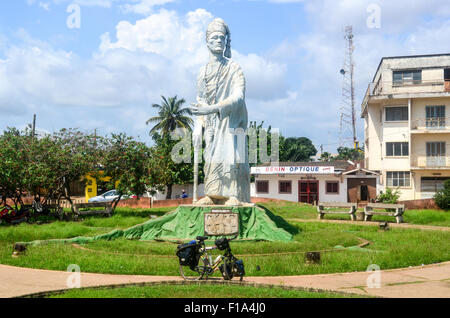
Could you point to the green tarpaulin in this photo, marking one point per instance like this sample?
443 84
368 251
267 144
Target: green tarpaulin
187 222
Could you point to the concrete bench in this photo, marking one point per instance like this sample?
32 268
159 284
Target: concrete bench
107 208
350 209
374 209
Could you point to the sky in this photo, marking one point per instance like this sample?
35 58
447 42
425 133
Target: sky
101 64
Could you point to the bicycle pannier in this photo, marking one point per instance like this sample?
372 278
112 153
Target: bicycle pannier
239 265
187 254
222 244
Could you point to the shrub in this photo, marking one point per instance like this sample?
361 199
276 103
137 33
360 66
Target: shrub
390 196
442 197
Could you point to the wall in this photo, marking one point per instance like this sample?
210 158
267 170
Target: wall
144 203
177 191
293 196
432 71
418 112
372 137
419 204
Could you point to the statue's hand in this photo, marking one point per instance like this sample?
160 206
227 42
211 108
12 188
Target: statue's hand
202 109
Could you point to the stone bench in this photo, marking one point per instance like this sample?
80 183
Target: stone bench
374 209
107 208
350 209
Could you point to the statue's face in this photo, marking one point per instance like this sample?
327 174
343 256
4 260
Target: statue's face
216 42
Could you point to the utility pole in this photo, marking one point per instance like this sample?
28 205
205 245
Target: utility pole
33 127
347 111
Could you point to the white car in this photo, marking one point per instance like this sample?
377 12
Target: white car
105 197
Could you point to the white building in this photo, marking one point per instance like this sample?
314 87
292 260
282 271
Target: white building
407 130
311 182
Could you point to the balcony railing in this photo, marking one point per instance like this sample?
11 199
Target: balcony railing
390 87
434 123
422 86
430 161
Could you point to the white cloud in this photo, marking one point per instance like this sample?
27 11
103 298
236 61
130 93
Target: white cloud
143 7
158 55
44 5
181 40
315 57
88 3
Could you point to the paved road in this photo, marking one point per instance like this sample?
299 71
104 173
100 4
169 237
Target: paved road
422 281
372 223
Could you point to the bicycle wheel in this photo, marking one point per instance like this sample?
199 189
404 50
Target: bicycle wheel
227 270
198 273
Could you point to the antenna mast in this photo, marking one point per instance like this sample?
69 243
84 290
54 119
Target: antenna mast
347 110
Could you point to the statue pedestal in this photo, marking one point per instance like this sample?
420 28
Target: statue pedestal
189 221
248 222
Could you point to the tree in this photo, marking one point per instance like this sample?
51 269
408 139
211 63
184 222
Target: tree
124 160
442 197
345 153
59 159
170 116
14 164
390 196
296 149
326 157
163 171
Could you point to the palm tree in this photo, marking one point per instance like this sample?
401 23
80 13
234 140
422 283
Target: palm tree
170 116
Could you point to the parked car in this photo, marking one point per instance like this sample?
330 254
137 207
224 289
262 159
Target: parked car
105 197
109 196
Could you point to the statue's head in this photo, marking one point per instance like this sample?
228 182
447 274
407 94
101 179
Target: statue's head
218 37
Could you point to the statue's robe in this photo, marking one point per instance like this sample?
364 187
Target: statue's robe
226 170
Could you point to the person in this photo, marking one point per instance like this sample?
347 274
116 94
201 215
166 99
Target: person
183 194
222 118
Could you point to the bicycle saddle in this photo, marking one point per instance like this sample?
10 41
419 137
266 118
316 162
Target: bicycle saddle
201 238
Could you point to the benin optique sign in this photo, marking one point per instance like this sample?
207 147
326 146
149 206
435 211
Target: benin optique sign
292 170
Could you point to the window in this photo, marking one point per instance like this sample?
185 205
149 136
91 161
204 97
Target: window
396 113
285 187
332 187
435 116
447 74
407 77
432 184
262 186
397 149
398 179
436 149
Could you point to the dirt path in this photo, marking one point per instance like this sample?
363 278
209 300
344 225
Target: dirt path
375 223
422 281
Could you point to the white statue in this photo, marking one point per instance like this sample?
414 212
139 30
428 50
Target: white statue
222 119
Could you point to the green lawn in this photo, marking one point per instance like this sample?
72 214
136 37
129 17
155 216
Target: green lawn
194 291
293 210
392 249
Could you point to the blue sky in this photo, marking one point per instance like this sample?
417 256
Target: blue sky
126 53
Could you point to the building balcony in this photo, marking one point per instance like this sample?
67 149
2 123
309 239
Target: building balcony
413 89
430 125
428 162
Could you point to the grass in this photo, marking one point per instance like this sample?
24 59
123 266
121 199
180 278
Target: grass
194 291
294 210
392 249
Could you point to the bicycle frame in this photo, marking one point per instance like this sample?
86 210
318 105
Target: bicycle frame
206 258
205 266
